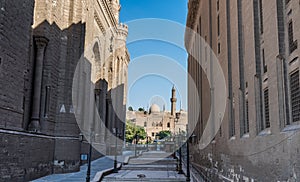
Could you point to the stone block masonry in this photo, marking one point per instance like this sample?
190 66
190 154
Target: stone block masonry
41 43
256 45
24 157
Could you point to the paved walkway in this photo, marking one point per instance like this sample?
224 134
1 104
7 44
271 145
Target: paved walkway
100 164
151 166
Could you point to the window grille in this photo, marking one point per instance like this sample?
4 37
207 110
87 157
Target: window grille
295 96
267 111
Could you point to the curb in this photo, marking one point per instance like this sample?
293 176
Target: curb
127 158
99 175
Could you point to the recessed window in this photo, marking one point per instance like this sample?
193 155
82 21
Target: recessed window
295 96
200 26
264 61
168 125
219 48
232 121
292 43
247 118
218 26
267 110
261 17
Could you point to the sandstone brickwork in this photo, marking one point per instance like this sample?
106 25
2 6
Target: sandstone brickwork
41 45
257 49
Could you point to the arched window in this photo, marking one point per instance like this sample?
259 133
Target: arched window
96 52
168 125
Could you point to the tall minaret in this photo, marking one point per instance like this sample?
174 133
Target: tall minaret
173 102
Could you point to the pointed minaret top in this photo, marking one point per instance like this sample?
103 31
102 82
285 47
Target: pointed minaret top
173 88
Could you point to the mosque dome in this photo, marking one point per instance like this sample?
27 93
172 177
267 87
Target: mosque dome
154 108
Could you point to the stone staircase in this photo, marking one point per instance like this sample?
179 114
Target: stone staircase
150 166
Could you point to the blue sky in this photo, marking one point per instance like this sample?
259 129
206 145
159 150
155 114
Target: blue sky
158 58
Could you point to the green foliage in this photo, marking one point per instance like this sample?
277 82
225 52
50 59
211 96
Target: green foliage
134 132
130 108
141 109
163 134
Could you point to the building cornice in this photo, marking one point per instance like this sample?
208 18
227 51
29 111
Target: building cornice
103 4
98 21
193 7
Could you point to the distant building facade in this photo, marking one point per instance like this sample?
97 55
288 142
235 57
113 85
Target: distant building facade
256 45
156 120
45 45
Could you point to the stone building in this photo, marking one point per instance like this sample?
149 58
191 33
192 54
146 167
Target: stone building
58 60
156 120
255 44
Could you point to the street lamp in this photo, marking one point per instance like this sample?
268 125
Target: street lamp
147 142
177 116
180 171
115 130
146 126
136 139
147 135
176 119
88 172
188 175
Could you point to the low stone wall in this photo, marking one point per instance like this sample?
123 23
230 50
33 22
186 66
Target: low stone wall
25 157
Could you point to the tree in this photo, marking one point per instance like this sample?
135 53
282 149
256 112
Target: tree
134 132
141 109
163 134
130 108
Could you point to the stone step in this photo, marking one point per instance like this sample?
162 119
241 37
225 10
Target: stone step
154 159
150 167
145 175
150 180
151 162
155 155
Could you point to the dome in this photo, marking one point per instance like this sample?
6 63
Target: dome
154 108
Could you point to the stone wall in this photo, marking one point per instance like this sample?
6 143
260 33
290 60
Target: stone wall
254 56
15 38
24 156
41 45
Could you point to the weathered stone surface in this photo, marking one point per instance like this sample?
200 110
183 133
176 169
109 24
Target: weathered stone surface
70 27
25 157
262 154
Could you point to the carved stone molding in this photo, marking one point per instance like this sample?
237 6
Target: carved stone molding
41 42
192 14
100 25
